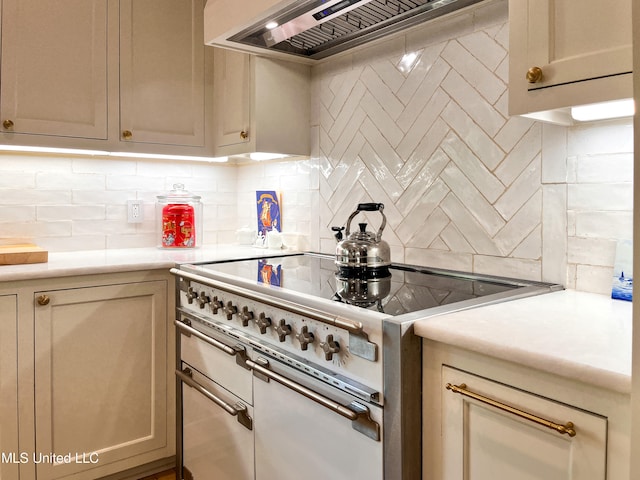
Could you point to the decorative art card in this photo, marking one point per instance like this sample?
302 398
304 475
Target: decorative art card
622 288
268 205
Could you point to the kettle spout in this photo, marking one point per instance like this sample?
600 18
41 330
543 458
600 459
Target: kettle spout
338 233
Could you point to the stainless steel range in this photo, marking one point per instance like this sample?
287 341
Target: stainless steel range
287 369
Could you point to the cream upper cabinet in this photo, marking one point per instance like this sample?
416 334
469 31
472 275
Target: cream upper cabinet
100 377
232 85
107 75
492 431
568 52
162 81
260 104
54 68
9 449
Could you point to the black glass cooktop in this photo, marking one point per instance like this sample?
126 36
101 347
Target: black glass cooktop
408 289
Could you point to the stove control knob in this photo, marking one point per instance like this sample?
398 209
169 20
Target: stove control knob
215 305
283 330
230 309
329 347
305 337
203 299
263 322
246 315
191 294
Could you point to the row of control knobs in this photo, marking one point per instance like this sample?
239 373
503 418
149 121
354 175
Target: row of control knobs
305 337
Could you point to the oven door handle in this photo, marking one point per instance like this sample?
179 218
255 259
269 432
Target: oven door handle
358 414
239 410
238 351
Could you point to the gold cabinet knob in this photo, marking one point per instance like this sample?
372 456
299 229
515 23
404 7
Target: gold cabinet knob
7 124
43 300
127 134
534 74
244 135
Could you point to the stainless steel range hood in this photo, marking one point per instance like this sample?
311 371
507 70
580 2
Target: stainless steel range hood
315 29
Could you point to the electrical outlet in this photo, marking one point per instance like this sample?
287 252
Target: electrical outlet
134 211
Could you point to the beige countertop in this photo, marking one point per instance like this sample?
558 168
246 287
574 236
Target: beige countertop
89 262
579 335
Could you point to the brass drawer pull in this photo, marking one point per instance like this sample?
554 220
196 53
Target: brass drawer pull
534 75
7 124
43 300
562 429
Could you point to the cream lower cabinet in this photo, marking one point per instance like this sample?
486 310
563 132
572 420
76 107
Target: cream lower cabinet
494 431
86 373
100 377
489 419
9 451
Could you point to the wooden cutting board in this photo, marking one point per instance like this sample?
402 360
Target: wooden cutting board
23 253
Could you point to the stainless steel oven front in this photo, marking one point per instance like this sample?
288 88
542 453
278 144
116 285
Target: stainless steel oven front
254 405
318 377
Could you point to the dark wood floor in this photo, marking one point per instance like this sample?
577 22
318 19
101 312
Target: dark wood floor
168 475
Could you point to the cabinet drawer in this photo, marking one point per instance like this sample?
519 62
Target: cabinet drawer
492 430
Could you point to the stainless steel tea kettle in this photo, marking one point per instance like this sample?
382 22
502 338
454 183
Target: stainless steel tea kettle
363 252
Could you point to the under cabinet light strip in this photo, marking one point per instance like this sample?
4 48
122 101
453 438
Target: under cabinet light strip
604 110
101 153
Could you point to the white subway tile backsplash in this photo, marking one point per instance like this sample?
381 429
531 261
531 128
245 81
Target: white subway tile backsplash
604 168
604 224
49 213
613 136
591 251
589 196
594 279
555 230
508 267
65 181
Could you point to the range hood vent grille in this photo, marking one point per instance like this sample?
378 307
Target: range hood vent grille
363 21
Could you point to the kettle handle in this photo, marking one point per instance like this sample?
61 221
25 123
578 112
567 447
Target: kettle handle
368 207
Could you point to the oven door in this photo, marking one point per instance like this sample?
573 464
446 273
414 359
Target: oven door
299 437
217 431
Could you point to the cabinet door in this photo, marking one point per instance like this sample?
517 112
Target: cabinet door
572 41
487 442
162 72
54 68
100 377
232 96
8 388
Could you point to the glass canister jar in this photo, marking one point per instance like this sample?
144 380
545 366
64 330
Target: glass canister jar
179 215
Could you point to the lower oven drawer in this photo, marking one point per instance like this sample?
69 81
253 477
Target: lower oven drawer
296 437
217 364
216 445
